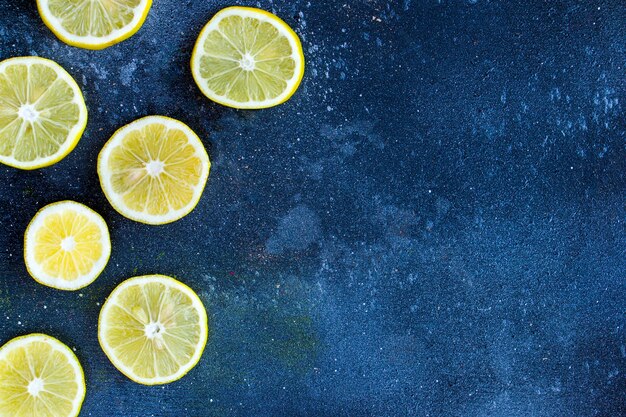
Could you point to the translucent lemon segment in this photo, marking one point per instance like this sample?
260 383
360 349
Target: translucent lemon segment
247 58
40 376
42 112
93 18
153 329
93 24
154 170
67 245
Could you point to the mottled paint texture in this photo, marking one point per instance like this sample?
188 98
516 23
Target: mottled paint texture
432 226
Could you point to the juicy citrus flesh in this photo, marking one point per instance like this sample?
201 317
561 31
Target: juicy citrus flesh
67 245
154 170
39 376
42 112
94 24
153 328
247 58
93 18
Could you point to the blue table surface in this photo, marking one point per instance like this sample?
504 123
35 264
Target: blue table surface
432 226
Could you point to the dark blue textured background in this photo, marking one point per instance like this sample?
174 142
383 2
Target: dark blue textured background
432 226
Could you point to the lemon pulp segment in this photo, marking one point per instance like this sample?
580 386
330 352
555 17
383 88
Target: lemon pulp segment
42 112
247 58
40 376
153 329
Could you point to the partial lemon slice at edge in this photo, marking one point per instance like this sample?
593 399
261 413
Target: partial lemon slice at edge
60 243
244 57
39 376
103 15
142 317
19 105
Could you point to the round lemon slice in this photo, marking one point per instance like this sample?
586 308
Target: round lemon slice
93 24
154 170
40 376
153 329
247 58
42 112
66 245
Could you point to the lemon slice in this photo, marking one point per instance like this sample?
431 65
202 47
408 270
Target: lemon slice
40 376
153 329
93 24
66 245
42 112
154 170
247 58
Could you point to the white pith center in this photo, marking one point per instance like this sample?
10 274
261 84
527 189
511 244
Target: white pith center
154 329
28 113
247 62
68 244
35 387
155 168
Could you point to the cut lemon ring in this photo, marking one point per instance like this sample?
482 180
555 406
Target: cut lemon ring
66 246
154 170
247 58
40 376
42 112
93 24
153 328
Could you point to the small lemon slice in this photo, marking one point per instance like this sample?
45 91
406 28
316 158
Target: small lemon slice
93 24
42 112
154 170
40 377
66 245
247 58
153 329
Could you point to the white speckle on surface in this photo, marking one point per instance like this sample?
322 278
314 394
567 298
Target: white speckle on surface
100 72
126 73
